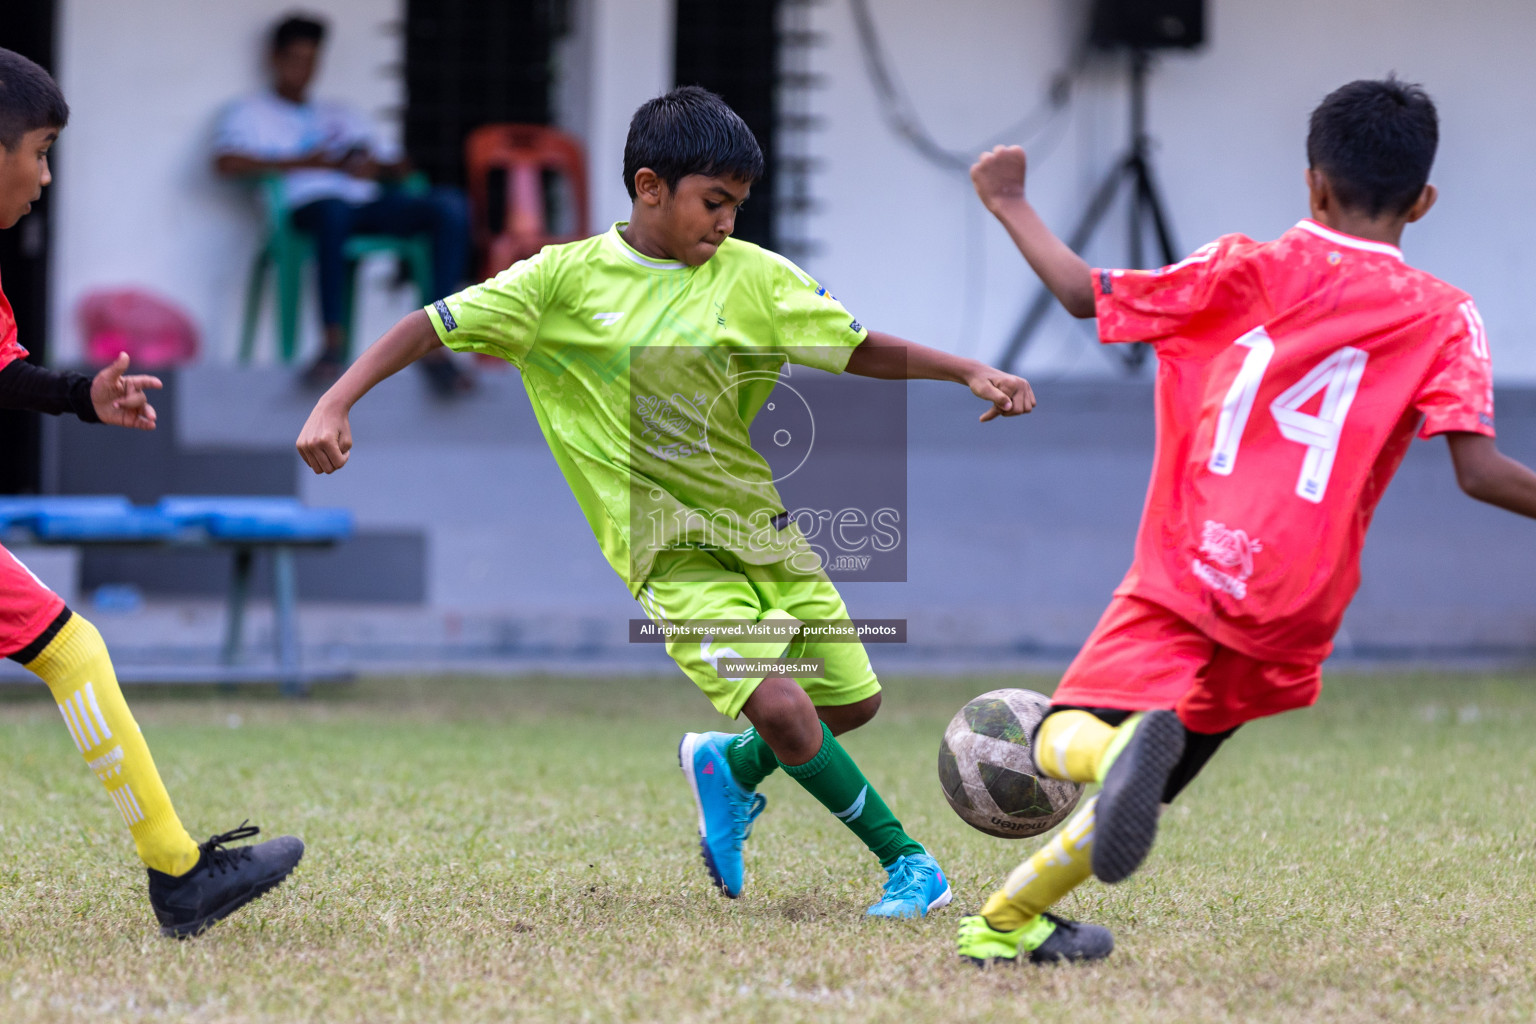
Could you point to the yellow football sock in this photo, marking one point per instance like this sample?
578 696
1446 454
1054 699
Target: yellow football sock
79 673
1040 882
1071 744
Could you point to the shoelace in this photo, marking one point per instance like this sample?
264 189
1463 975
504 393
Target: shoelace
903 882
218 859
745 817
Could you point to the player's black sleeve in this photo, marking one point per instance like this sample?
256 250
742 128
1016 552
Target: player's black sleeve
25 386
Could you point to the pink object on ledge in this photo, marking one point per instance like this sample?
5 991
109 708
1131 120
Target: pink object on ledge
152 330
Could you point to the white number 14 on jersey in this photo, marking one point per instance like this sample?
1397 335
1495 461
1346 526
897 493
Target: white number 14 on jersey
1337 377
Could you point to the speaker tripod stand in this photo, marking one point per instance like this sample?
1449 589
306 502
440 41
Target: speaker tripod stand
1134 170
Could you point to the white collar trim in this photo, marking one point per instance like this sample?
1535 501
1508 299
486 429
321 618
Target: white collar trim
639 257
1339 238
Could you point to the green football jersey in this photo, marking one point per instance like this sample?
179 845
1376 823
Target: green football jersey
645 376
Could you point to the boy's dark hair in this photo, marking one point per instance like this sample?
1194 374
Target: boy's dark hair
297 28
690 131
29 99
1375 140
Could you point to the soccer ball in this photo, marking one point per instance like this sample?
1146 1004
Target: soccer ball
986 770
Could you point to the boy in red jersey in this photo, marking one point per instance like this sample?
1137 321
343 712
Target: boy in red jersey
1292 376
191 885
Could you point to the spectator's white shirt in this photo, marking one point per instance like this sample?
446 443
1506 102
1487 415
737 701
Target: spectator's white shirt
267 127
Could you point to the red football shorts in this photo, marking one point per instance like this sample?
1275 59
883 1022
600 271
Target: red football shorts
1142 657
26 605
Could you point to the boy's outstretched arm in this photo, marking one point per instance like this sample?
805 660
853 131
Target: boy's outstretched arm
327 435
113 396
891 358
999 180
1487 474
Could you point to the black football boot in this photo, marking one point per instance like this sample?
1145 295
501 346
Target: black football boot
1125 821
223 880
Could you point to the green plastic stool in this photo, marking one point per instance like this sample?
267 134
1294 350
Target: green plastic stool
287 250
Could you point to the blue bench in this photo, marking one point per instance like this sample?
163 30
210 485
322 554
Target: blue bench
240 524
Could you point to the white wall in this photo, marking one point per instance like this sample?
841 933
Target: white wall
137 203
618 56
906 246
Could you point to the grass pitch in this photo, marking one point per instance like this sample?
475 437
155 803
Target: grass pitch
524 850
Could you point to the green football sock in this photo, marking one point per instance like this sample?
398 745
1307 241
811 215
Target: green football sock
751 759
833 778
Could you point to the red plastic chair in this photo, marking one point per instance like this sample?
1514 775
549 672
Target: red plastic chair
508 166
152 330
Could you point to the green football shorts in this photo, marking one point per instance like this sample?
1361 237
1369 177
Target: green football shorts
688 584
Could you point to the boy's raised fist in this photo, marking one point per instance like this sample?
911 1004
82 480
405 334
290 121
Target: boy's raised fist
999 175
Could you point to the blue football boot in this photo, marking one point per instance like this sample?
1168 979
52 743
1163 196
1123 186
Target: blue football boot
914 886
726 810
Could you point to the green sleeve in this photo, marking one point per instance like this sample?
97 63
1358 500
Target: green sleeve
499 317
813 327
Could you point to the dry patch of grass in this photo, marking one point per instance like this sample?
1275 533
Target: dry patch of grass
523 850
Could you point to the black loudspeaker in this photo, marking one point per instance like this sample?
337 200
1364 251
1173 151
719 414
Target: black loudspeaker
1147 24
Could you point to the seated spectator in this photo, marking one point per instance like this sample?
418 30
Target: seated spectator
335 180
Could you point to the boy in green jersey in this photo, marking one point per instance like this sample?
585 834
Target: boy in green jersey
631 346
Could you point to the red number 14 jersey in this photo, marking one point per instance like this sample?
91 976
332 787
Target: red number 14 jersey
1292 376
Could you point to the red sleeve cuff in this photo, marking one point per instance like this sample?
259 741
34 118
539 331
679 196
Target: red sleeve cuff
1103 284
1104 303
1457 423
